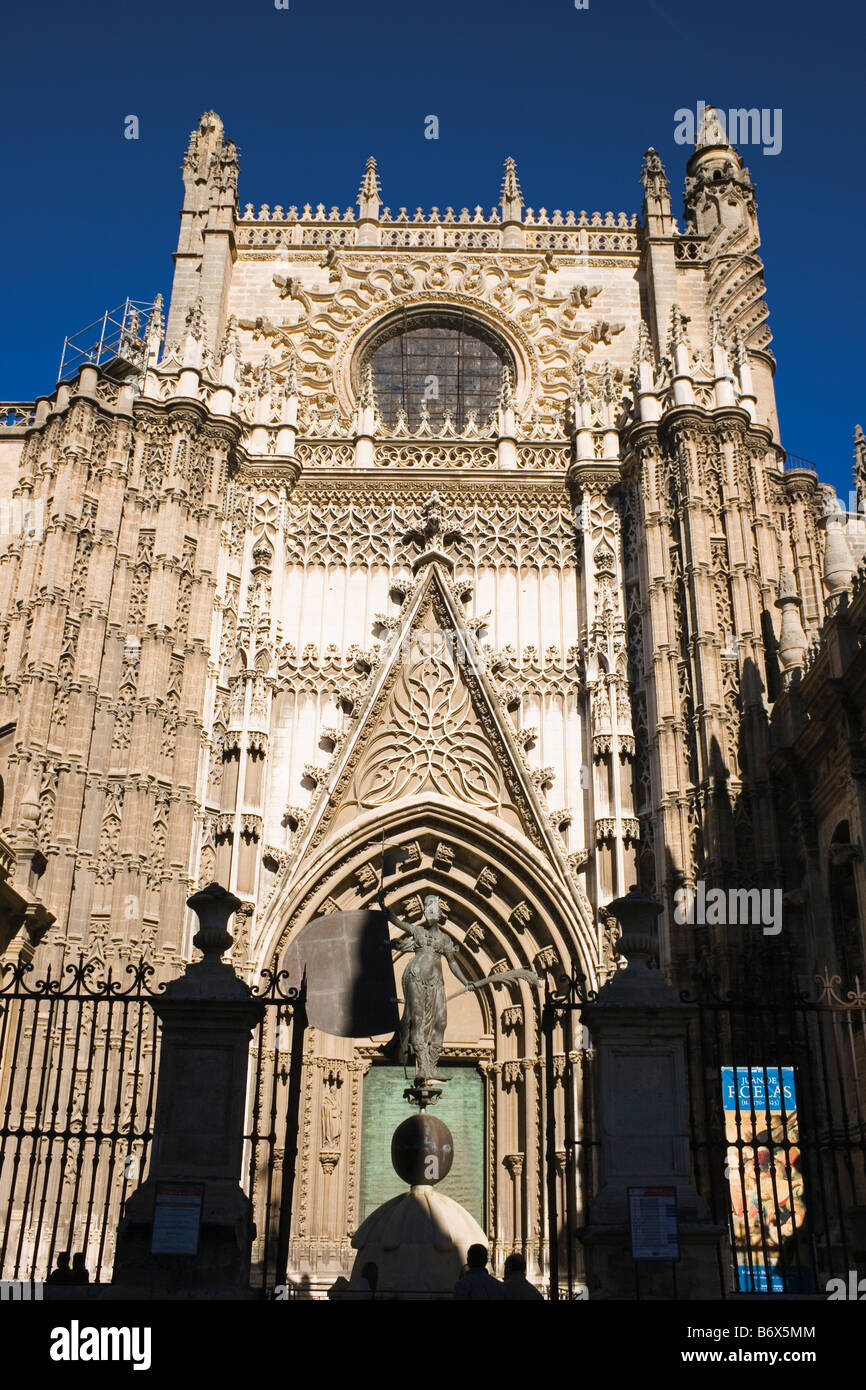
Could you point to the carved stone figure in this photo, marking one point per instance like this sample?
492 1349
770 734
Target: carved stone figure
332 1119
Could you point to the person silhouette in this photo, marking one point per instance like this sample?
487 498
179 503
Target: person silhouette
478 1284
515 1282
62 1274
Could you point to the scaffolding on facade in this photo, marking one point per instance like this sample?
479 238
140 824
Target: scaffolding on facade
115 342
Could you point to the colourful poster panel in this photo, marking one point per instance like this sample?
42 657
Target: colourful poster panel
765 1179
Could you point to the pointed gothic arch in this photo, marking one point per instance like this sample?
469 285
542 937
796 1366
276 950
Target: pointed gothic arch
506 908
491 874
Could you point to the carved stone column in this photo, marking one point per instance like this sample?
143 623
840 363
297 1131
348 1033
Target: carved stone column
514 1164
533 1167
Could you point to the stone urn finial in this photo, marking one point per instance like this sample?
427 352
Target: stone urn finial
636 914
213 906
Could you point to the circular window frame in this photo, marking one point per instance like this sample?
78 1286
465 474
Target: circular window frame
419 316
518 352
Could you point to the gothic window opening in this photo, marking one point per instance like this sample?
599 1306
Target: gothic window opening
437 363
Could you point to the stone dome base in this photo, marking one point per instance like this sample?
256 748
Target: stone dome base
418 1241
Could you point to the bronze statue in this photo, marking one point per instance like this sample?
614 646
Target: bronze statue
425 1012
422 1026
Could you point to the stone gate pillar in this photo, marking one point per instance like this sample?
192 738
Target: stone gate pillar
207 1018
639 1029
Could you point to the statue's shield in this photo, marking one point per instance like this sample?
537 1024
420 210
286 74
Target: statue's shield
351 990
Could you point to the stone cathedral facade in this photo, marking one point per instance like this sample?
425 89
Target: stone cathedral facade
467 531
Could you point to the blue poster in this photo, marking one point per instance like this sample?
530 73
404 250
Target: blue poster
759 1088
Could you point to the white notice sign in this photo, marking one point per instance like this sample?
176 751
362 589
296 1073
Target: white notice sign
176 1218
653 1218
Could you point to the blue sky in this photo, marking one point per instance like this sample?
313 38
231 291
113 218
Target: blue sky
308 92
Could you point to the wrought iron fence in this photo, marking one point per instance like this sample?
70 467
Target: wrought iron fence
796 461
572 1146
778 1121
79 1054
77 1082
777 1115
271 1140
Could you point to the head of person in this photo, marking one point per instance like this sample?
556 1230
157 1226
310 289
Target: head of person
476 1257
63 1259
515 1266
431 910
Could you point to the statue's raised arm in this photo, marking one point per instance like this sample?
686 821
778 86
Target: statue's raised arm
406 928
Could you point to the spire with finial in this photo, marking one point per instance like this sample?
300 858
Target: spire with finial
643 351
210 166
367 418
644 374
367 395
609 410
510 196
290 385
679 350
205 142
653 176
369 202
743 366
583 414
195 320
677 334
581 385
724 383
263 377
715 169
226 368
229 352
608 393
505 420
154 332
637 358
741 355
369 199
195 334
656 196
287 394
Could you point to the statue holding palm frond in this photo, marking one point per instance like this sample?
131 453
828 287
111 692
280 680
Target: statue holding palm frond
425 1007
